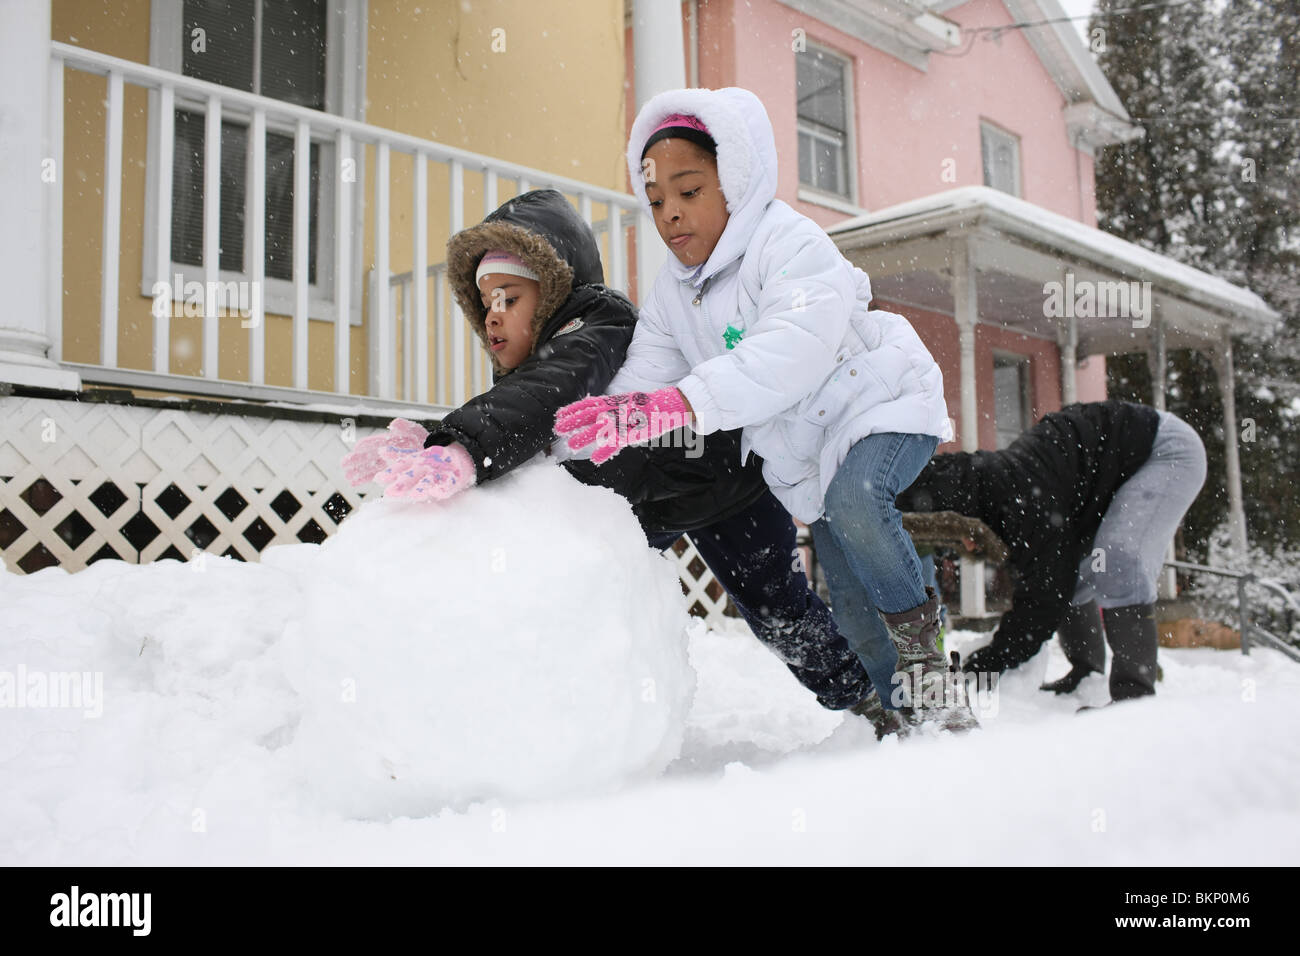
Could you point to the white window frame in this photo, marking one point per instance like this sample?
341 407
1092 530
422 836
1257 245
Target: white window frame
990 133
1026 365
811 193
345 71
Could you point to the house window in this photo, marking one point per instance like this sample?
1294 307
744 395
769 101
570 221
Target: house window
1001 154
823 84
275 49
1011 399
310 53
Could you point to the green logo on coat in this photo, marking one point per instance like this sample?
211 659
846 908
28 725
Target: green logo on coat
732 336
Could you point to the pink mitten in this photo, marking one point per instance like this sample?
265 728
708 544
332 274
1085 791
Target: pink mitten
616 421
372 455
435 473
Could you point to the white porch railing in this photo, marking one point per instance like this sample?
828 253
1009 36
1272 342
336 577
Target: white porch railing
419 349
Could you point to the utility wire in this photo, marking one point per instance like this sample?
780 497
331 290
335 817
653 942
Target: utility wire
1109 13
995 32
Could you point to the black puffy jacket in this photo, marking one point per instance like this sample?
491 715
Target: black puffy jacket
582 333
1044 496
671 491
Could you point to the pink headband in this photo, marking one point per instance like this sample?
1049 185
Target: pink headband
680 119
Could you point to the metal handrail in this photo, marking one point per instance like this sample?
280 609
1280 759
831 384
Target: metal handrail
1250 631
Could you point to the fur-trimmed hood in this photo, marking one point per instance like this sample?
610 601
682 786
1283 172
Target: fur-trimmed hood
543 229
747 166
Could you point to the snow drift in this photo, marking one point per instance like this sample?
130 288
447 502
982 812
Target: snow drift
250 713
517 642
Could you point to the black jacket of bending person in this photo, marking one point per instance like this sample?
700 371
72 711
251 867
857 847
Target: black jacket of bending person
582 333
1044 496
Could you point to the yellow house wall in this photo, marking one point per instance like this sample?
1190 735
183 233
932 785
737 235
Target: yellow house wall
536 83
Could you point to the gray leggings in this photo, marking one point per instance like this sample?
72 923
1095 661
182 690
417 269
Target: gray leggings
1139 525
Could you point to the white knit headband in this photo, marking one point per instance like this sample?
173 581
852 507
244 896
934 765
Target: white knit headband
498 262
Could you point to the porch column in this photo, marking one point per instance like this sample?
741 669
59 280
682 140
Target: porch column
1222 357
659 60
965 311
658 64
1067 336
27 199
1158 363
1157 359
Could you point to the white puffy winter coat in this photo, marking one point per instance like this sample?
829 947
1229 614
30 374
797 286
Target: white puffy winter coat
815 369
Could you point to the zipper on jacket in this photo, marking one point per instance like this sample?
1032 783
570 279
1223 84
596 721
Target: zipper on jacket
699 295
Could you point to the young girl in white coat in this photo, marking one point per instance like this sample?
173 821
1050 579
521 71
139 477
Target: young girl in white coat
758 322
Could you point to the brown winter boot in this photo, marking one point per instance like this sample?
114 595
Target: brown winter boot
931 691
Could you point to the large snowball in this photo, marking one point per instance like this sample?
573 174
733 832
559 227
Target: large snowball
518 641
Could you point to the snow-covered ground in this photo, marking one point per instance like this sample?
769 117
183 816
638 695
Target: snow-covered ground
502 679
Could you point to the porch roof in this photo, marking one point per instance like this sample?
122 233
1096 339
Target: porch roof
1015 247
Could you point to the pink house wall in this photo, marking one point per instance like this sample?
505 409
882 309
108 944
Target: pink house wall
1090 379
918 132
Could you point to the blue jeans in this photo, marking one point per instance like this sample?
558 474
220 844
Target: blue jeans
870 562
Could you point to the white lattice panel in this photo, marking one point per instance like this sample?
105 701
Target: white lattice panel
83 480
698 582
173 471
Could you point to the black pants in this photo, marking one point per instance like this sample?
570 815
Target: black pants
752 554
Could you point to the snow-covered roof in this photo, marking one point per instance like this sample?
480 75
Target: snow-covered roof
1062 51
968 206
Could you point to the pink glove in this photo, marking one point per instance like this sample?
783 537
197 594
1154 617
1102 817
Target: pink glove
433 474
372 455
616 421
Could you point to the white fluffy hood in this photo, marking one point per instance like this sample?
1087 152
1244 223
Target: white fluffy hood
747 167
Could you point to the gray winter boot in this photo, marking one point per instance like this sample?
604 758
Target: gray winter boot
1085 648
885 721
1131 634
931 691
